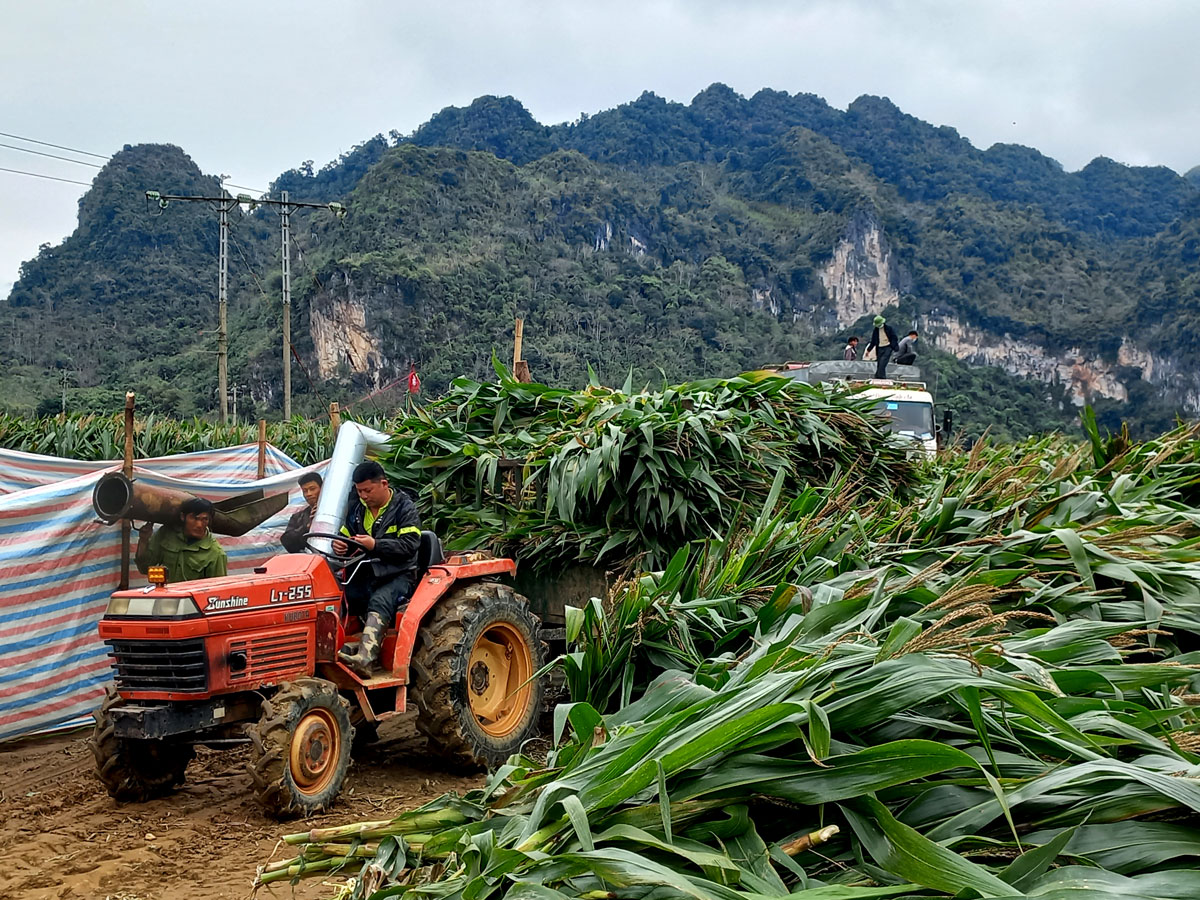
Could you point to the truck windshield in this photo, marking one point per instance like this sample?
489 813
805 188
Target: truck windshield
908 417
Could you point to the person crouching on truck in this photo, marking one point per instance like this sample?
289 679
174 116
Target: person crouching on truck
186 548
883 348
906 353
386 523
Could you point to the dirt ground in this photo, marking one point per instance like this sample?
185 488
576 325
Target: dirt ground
62 836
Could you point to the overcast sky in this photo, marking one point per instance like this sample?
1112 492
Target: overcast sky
251 88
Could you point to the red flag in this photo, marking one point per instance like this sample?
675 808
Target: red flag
414 380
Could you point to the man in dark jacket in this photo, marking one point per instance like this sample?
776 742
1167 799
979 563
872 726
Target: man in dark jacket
883 348
386 523
301 523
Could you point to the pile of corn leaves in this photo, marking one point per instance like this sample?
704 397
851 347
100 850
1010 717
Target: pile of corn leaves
985 691
551 475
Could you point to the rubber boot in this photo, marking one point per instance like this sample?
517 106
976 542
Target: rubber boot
364 659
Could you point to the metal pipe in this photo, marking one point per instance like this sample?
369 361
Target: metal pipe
117 497
353 442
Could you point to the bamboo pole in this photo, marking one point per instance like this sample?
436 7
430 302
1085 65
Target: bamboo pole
262 449
518 337
127 470
335 417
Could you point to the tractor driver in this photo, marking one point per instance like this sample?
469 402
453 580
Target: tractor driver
386 523
187 548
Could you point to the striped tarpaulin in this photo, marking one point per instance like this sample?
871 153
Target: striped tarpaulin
58 565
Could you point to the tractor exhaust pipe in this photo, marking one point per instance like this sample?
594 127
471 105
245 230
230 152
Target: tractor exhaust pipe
117 497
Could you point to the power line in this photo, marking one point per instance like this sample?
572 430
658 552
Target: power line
17 137
78 162
47 177
28 140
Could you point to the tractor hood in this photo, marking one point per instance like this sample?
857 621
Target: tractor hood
286 579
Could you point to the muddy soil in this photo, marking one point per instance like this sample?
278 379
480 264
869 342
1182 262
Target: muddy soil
62 836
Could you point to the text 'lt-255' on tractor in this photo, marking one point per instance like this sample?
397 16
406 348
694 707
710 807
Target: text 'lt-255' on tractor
254 659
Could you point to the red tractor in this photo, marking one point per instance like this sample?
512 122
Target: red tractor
254 658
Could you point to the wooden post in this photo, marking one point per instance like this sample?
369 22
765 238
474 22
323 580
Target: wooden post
518 336
127 470
520 368
335 417
262 449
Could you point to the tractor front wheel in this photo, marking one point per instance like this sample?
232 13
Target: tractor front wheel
300 747
132 769
474 668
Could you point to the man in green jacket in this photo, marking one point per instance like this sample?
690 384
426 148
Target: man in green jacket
187 549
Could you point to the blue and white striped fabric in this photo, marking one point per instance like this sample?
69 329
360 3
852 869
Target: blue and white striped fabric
58 565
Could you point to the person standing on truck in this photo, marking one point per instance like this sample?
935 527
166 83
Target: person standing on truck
301 522
883 347
186 548
850 351
906 352
386 523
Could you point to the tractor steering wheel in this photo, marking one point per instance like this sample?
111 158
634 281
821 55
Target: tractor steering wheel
339 561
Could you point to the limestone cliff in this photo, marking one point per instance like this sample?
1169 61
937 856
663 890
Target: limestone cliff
864 277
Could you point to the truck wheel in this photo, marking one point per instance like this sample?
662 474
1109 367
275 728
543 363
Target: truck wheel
131 769
473 670
300 747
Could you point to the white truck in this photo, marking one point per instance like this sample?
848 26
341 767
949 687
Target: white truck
902 399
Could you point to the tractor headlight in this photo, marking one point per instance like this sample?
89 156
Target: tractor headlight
152 607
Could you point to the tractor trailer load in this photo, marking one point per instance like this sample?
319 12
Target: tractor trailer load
253 659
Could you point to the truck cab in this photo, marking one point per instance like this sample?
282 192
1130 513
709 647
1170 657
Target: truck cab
903 399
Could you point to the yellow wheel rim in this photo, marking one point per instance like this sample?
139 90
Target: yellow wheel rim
498 673
315 751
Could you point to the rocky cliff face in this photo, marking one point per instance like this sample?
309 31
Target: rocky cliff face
864 277
338 326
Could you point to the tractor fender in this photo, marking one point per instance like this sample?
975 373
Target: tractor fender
438 581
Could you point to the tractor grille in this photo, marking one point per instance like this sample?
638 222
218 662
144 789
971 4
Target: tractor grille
176 666
274 655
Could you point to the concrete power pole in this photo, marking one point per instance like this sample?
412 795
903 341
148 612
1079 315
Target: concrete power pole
222 323
224 204
285 228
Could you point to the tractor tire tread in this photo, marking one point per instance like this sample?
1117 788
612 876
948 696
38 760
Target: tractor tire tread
133 770
270 740
439 669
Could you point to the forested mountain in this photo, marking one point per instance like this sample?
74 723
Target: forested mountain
674 240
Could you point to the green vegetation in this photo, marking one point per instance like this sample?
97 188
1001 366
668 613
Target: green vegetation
98 438
988 690
616 477
679 241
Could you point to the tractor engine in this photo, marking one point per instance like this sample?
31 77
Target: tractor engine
177 647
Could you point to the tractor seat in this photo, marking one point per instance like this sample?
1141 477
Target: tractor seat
429 553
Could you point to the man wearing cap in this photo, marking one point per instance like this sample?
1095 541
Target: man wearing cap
883 348
187 548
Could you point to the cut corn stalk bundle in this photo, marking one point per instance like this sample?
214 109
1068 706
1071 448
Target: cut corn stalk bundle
609 476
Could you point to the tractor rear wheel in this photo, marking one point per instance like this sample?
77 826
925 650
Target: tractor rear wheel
473 670
300 747
135 769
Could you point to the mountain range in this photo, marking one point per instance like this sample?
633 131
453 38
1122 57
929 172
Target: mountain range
676 241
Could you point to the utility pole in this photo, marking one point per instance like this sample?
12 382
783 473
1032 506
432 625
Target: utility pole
224 204
222 311
285 212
